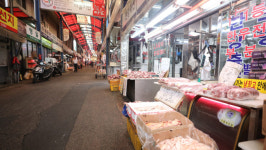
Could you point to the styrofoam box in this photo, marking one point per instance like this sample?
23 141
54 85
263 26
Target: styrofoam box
134 109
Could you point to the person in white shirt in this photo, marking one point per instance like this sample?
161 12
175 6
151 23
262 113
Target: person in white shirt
75 61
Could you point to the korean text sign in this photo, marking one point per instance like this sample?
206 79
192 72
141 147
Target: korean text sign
246 33
8 21
259 85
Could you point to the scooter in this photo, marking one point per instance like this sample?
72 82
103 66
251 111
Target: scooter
57 69
42 72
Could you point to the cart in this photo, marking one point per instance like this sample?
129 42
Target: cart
100 71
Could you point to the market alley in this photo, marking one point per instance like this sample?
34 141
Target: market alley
73 112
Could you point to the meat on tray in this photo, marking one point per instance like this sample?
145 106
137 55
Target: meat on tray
150 108
140 74
243 94
221 91
163 124
180 143
113 76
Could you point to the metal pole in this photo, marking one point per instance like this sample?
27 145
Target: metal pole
107 54
38 25
61 38
12 46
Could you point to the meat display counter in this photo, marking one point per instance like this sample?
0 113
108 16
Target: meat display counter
141 89
228 123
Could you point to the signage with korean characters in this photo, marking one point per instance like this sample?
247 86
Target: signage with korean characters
33 34
242 33
22 28
259 85
8 21
46 43
99 10
82 19
74 6
159 48
57 47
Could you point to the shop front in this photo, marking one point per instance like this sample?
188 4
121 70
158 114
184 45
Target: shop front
12 34
30 47
217 47
56 52
46 48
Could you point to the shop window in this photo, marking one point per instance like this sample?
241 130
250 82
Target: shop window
24 50
178 52
29 49
243 33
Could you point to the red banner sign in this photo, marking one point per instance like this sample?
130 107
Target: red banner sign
99 10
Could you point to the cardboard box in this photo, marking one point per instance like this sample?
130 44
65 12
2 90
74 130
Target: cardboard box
144 130
142 120
264 119
135 109
191 132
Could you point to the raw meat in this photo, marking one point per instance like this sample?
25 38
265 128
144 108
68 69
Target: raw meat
180 143
164 124
221 91
113 76
243 94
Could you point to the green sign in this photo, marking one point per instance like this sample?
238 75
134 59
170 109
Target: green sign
32 34
46 43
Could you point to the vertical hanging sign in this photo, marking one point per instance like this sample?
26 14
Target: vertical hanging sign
99 10
66 34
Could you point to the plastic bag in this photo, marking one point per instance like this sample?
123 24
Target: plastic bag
191 138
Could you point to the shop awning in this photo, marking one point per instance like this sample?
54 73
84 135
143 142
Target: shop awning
18 12
11 35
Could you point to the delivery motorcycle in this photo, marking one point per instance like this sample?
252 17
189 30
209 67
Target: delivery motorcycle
42 72
57 69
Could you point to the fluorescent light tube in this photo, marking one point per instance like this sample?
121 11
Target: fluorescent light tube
182 19
212 4
153 33
162 15
181 2
138 32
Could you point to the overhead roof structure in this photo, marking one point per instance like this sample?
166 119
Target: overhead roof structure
84 33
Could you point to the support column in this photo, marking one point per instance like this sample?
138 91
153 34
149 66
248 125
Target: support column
11 74
107 54
38 26
61 38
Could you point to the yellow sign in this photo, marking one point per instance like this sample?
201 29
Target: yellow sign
8 20
259 85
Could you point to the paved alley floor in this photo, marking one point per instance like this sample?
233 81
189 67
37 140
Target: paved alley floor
70 112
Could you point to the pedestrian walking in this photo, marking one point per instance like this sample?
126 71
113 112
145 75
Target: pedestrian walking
75 61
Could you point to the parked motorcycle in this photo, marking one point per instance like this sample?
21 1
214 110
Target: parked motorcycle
42 72
57 69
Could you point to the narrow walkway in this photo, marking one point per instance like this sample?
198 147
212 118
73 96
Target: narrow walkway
73 112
